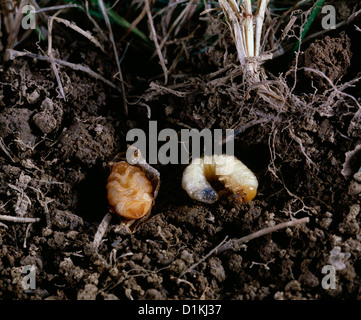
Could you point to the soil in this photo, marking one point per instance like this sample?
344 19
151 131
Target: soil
55 154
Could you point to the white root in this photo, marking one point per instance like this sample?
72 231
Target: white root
18 219
102 228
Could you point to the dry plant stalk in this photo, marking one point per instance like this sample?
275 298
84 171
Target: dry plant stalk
13 54
86 34
235 244
12 22
155 40
102 228
18 219
246 30
116 56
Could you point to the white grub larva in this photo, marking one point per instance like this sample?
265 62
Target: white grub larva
234 175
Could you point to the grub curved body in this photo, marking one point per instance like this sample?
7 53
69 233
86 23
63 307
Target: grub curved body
235 176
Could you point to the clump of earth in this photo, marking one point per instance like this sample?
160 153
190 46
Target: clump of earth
54 163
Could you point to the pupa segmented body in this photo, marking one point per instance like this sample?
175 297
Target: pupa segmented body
235 176
130 193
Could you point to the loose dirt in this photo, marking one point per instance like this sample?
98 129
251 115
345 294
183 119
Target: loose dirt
54 159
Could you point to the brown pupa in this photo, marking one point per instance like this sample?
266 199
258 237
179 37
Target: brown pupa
132 188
